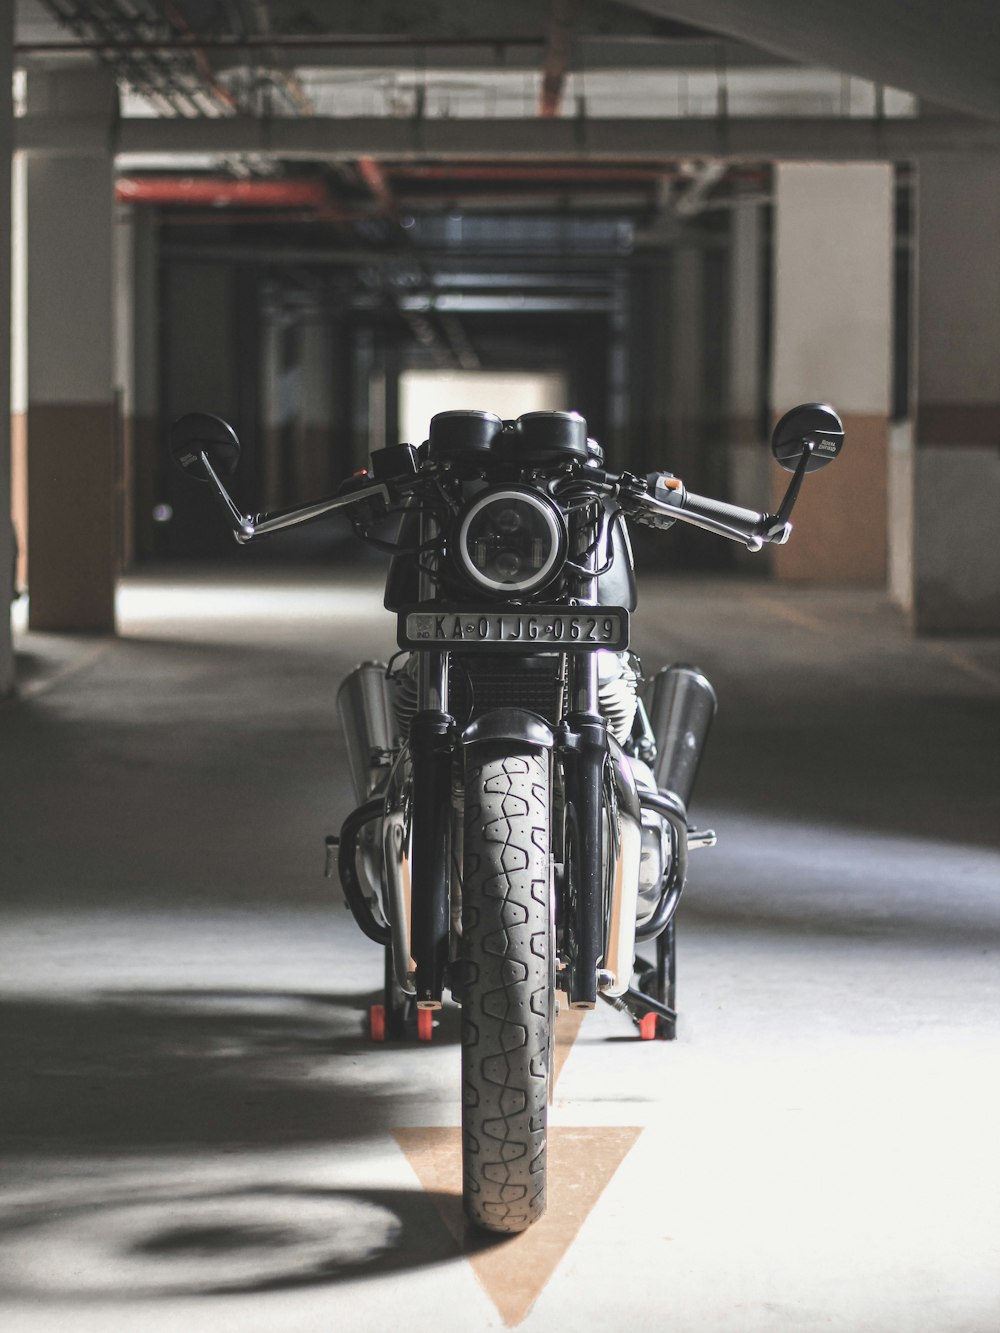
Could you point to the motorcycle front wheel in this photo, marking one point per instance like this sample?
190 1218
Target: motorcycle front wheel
508 998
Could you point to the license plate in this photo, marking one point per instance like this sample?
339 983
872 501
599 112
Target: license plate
525 629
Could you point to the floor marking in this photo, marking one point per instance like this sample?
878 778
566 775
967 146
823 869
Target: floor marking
966 664
568 1024
790 613
34 688
514 1272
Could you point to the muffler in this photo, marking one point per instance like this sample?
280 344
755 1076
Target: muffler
682 706
365 702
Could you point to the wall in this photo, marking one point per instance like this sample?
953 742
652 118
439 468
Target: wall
833 265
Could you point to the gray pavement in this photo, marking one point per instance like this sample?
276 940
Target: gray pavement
197 1135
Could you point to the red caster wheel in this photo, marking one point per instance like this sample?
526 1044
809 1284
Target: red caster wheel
376 1022
647 1027
425 1024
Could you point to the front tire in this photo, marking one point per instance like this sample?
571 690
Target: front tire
508 999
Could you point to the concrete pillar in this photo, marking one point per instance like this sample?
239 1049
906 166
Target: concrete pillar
686 404
6 529
648 401
377 436
392 427
832 331
72 436
137 372
749 461
617 444
954 582
314 473
200 332
273 410
296 404
19 366
362 370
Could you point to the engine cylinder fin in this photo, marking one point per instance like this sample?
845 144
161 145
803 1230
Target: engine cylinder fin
406 696
618 703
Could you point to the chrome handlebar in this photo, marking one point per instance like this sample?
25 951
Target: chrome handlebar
747 526
246 527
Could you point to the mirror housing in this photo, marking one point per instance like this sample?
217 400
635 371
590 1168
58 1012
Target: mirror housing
199 433
809 423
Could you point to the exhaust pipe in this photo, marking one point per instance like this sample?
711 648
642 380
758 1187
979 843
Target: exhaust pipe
365 702
682 707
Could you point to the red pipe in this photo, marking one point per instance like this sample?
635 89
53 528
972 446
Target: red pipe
373 175
220 192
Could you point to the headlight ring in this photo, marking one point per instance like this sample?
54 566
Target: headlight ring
511 541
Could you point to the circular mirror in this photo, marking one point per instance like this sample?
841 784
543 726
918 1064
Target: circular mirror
809 423
200 433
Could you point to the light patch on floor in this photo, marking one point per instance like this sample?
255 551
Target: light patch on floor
514 1271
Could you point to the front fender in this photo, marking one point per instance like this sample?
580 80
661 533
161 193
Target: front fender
509 724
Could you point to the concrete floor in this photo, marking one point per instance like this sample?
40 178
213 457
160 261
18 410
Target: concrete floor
198 1136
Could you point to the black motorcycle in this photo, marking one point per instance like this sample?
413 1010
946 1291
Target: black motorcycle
521 817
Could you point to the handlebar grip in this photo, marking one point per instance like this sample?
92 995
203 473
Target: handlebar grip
670 502
725 513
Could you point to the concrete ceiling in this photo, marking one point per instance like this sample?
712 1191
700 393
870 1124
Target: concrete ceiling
291 85
943 53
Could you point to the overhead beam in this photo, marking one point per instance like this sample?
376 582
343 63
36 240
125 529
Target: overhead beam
333 139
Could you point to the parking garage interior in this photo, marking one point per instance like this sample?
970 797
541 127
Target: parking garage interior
325 222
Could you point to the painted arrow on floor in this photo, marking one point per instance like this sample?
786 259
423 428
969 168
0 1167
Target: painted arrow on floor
581 1163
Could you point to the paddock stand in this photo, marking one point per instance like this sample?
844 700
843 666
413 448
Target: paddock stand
652 1004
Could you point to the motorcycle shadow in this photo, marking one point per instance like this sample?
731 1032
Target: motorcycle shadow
140 1070
151 1243
135 1119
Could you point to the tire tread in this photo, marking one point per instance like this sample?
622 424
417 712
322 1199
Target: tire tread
507 1002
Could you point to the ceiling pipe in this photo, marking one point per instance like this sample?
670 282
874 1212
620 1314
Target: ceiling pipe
221 192
279 42
377 183
223 95
526 172
558 52
703 176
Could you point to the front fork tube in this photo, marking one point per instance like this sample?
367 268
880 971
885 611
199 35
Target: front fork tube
432 739
584 757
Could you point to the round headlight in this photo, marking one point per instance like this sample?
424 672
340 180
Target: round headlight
511 541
